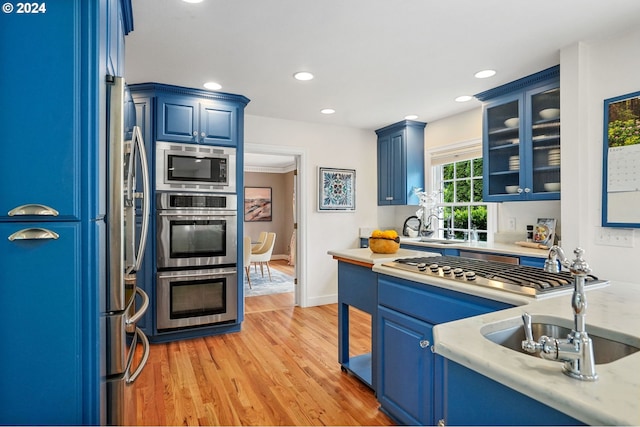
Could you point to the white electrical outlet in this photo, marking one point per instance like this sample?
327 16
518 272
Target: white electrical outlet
622 237
511 224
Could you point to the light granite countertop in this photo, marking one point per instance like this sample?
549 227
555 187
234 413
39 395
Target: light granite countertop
496 248
613 311
366 256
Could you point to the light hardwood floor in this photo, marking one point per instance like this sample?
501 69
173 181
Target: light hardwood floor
281 369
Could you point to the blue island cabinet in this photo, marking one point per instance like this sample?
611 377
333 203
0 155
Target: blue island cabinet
470 398
52 206
409 375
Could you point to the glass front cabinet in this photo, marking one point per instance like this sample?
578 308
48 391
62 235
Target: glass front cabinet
521 139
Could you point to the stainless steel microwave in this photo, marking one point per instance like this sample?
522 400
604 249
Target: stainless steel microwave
195 167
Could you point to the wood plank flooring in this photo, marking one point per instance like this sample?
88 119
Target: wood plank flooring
281 369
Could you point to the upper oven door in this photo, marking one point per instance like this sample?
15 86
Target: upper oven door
194 167
188 239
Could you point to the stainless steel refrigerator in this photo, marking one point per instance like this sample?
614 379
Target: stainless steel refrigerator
126 245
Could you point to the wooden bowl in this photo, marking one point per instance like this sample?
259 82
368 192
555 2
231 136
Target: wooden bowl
384 245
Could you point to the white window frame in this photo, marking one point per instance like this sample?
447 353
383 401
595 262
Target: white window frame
461 151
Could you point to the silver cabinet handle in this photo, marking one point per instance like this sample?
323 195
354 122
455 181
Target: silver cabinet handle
195 133
145 356
424 343
527 190
441 423
143 308
33 209
34 234
389 198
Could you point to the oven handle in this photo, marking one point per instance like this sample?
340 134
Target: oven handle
196 274
198 214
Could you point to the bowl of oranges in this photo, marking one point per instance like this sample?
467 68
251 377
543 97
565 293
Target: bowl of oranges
384 242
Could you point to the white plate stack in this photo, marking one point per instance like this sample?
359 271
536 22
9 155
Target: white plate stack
514 163
554 157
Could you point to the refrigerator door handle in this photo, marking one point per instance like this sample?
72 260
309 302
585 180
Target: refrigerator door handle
130 378
143 308
146 195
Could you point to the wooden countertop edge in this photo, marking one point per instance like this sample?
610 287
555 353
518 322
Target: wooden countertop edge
353 261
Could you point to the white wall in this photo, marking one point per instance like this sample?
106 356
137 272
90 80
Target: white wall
326 146
590 73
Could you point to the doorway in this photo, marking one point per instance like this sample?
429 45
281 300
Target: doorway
282 159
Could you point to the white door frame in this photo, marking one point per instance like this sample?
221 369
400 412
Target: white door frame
301 212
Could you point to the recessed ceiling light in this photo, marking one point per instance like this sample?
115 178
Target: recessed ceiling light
464 98
327 111
212 86
303 75
484 74
193 1
411 117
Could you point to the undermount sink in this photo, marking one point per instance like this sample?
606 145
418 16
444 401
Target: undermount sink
441 241
606 350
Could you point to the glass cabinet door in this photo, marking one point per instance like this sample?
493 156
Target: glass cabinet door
545 140
503 136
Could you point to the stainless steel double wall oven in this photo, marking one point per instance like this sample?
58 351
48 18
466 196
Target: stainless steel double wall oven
196 237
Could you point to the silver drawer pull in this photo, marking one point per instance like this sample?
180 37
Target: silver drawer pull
424 343
34 234
33 209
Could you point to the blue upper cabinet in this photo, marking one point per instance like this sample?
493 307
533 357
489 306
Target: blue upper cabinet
197 116
400 162
521 139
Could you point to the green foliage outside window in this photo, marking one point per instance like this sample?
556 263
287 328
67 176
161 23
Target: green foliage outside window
461 193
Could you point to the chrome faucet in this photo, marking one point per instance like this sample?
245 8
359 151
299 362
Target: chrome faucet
576 351
427 230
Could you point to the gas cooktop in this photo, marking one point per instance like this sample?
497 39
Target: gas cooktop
520 279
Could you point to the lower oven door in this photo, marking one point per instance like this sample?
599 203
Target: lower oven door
190 240
196 298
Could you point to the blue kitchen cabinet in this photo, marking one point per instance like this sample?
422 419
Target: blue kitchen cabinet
53 154
400 162
201 117
470 398
521 139
358 288
409 378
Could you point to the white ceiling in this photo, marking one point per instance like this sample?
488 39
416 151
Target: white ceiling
375 61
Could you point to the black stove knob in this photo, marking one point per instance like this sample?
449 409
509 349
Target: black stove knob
470 275
421 266
446 270
434 267
458 272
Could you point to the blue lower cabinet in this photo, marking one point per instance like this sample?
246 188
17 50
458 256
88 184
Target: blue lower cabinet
470 398
410 376
406 368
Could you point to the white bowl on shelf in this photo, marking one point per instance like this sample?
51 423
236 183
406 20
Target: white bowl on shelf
512 122
552 186
550 113
511 189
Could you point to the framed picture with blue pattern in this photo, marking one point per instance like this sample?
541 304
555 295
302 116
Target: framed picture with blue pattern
336 189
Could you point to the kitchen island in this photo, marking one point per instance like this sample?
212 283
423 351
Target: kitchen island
613 311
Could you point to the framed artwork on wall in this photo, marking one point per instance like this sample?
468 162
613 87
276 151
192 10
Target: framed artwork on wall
257 204
336 190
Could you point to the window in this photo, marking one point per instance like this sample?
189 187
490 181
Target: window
461 184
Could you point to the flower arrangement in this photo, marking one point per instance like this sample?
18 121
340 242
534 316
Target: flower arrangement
429 203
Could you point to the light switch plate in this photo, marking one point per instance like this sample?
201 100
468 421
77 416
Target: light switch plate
621 237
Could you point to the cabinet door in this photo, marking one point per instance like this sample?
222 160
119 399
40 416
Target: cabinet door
543 133
503 150
391 169
177 119
406 367
41 359
40 152
217 124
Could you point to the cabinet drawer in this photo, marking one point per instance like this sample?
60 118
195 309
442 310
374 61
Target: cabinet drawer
432 304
